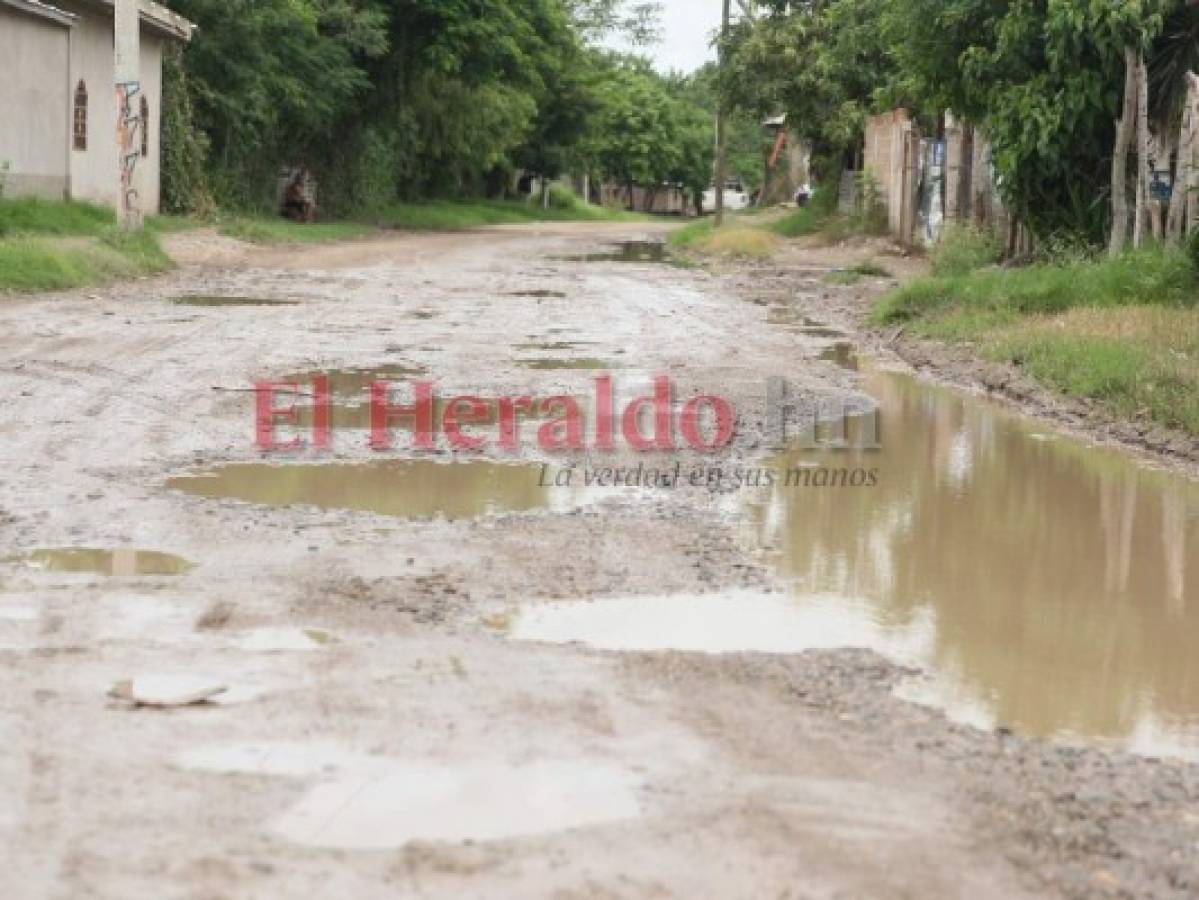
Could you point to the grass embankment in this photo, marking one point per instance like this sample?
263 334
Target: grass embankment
48 246
444 215
464 215
277 230
749 234
1122 331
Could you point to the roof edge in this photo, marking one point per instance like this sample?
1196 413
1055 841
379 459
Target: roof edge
159 18
43 10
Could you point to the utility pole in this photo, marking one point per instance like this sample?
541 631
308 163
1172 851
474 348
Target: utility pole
127 76
722 114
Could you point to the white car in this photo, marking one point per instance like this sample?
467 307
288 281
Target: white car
734 197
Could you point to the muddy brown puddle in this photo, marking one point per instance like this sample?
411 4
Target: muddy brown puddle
1044 585
409 489
120 562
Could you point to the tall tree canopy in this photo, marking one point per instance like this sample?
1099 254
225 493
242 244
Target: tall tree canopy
389 99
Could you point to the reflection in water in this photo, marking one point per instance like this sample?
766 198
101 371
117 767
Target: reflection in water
1063 581
628 251
412 489
126 561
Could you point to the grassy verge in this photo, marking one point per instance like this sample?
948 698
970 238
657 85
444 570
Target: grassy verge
277 230
1123 332
750 234
464 215
48 246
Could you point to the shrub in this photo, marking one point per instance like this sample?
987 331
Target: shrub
964 249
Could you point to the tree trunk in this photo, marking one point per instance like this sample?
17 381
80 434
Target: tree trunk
1125 128
1192 185
1182 175
1143 194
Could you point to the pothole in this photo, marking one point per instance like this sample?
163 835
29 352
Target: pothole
116 562
627 252
409 489
375 803
732 622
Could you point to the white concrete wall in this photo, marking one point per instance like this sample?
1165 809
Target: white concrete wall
95 172
34 105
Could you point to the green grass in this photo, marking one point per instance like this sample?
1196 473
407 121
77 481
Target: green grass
690 234
797 223
1147 277
46 245
33 216
962 250
740 242
277 230
1123 331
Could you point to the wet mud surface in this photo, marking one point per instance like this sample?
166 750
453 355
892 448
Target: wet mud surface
451 674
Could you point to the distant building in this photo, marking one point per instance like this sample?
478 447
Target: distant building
58 104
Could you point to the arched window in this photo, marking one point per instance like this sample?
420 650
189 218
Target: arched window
145 126
80 116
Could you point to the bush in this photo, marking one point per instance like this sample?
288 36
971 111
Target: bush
185 189
964 249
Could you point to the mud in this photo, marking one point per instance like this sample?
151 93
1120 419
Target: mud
694 773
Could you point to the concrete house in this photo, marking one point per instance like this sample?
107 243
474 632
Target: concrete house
58 103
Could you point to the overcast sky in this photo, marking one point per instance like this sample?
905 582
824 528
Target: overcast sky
687 29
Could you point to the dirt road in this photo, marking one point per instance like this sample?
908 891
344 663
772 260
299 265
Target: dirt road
384 732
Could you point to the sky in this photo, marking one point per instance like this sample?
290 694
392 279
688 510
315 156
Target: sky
687 29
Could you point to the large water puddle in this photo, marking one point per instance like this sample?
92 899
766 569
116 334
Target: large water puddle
1061 581
410 489
374 803
119 562
1043 585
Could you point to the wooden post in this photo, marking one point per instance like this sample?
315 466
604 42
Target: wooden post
722 113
